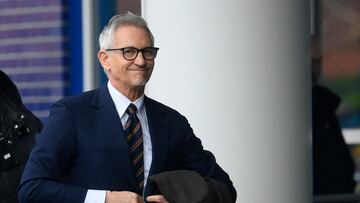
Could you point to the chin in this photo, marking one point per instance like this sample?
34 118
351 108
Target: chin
141 83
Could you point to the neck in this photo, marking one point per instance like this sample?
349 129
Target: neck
132 93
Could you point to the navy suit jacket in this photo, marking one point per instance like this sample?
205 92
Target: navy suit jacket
83 147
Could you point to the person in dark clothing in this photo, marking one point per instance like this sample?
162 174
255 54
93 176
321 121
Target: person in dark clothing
332 161
17 129
333 167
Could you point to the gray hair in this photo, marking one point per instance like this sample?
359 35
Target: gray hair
107 34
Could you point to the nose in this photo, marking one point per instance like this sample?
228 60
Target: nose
140 60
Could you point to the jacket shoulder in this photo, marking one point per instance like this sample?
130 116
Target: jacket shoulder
77 102
161 108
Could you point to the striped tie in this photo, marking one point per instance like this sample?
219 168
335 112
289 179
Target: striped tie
134 137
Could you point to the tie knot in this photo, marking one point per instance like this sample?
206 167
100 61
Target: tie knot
131 110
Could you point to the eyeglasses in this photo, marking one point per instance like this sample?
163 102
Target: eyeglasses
130 53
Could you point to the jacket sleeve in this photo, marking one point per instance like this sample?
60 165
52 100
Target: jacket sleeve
49 161
203 161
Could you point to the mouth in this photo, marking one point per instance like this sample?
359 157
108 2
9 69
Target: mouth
138 69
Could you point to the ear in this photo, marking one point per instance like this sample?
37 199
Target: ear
103 57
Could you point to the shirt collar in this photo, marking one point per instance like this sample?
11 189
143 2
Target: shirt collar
122 102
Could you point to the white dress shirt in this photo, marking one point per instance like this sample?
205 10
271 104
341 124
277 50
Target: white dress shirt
121 103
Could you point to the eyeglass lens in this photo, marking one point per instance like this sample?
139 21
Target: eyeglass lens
131 53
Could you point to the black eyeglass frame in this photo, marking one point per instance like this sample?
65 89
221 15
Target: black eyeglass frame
137 52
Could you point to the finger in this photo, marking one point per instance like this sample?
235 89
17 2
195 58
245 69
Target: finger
156 198
140 199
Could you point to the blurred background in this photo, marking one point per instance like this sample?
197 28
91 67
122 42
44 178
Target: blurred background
49 47
338 28
43 46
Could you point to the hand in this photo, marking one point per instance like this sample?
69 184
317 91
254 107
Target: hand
123 197
156 198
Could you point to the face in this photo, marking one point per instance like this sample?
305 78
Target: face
316 62
315 69
127 75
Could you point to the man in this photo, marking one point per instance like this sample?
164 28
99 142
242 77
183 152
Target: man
104 144
333 166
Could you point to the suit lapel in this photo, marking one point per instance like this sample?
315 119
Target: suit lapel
110 127
159 131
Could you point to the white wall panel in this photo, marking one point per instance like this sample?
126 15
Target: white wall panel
238 70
